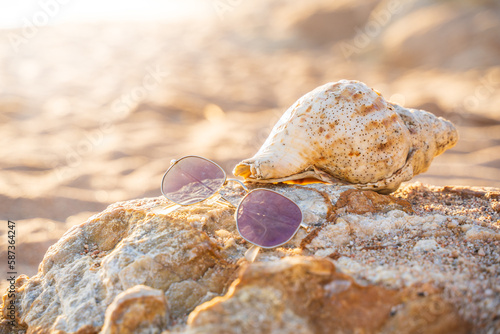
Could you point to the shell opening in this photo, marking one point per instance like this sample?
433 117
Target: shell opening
242 170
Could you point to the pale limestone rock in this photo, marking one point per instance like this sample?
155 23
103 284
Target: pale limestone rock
426 245
481 233
130 259
73 289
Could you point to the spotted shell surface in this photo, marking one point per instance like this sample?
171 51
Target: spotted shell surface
345 132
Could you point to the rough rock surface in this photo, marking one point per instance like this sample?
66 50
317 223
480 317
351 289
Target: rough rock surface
139 309
308 295
425 259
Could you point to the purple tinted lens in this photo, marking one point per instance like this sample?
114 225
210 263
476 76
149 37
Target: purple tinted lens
267 218
192 180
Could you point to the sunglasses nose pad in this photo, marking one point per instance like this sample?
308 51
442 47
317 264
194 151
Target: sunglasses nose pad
251 253
191 179
267 219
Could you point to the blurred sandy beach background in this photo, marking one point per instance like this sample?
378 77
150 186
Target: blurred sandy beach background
96 99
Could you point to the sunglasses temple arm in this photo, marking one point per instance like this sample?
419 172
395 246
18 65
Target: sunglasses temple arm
241 184
227 201
252 253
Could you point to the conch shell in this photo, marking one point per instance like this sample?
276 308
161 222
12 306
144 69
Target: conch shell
345 132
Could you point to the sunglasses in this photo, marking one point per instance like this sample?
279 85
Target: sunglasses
263 217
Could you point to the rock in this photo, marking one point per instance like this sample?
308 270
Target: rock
307 295
481 252
73 289
139 268
426 245
10 310
481 233
495 206
428 311
139 309
364 201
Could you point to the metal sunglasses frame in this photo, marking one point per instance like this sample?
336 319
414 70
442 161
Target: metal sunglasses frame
263 189
176 161
252 251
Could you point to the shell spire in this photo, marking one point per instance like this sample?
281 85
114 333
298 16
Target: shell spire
345 132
